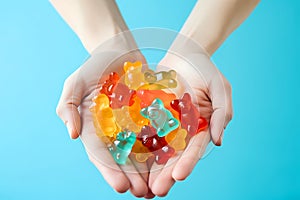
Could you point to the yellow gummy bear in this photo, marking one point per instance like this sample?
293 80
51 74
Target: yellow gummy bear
160 80
178 143
134 78
103 117
142 157
141 152
124 119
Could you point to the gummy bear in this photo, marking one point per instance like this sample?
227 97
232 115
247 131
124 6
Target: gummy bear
164 154
122 146
141 152
121 96
157 145
108 86
118 93
189 115
148 96
178 143
123 118
171 136
103 115
163 79
134 77
160 118
135 114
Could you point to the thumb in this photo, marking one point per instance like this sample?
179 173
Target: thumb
67 108
220 95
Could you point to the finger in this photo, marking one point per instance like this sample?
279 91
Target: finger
220 94
163 180
149 195
138 186
143 169
191 155
115 178
67 108
154 173
105 163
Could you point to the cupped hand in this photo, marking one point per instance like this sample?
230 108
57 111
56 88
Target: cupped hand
73 108
212 96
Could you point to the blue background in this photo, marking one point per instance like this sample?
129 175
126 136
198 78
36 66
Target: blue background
261 151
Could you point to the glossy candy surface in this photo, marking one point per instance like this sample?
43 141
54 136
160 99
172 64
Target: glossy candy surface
124 119
178 143
104 117
122 146
157 145
109 84
133 114
189 115
161 79
134 77
134 111
148 97
121 96
140 151
160 118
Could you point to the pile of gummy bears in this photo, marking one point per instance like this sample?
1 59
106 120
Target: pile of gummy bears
134 114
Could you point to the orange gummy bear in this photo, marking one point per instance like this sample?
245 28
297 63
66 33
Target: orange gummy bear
103 117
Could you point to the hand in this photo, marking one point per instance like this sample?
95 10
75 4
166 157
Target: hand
73 109
213 97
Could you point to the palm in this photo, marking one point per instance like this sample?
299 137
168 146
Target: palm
83 86
196 75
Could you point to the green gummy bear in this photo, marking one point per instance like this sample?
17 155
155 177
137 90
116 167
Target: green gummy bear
122 146
160 118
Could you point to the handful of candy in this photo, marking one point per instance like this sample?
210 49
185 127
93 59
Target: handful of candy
134 114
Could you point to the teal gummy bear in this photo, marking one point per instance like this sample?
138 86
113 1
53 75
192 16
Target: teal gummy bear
122 146
160 118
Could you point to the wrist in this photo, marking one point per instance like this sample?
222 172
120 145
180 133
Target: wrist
93 21
93 36
99 27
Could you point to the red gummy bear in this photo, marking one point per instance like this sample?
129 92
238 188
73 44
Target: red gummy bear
189 115
164 154
148 96
118 93
121 96
108 86
157 145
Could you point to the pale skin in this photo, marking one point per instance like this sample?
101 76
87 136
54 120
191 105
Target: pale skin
209 24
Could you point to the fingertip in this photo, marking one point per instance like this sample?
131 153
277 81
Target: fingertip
179 177
218 138
178 173
139 191
72 132
149 195
160 191
74 135
120 185
161 188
